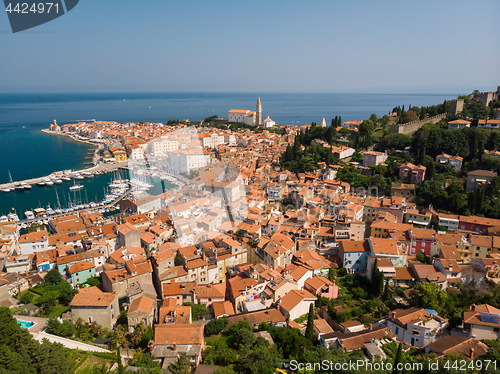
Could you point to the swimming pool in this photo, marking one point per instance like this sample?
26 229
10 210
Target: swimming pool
25 324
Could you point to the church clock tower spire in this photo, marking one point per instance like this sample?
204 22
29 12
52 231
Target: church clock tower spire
258 112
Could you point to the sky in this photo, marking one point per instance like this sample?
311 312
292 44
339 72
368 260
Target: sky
427 46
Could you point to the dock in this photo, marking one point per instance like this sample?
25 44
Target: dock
28 222
57 174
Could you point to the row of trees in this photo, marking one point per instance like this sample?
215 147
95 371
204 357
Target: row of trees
20 353
420 113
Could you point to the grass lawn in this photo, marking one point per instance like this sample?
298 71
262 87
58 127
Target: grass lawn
87 366
59 310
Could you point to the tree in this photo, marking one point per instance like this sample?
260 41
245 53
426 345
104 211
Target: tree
64 329
20 353
331 274
121 369
26 297
94 281
398 359
215 326
47 303
387 292
410 116
243 338
53 277
66 292
310 324
429 295
422 258
181 366
261 360
377 283
367 127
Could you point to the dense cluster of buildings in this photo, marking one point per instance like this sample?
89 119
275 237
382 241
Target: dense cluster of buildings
251 241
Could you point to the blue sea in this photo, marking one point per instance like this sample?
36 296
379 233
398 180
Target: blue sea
28 153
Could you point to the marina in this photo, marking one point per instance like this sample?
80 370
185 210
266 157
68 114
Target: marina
94 190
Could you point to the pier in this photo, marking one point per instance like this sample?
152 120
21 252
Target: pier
57 174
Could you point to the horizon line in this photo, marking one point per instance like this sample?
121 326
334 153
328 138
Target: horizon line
229 92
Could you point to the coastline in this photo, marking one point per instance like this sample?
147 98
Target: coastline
97 166
74 137
79 139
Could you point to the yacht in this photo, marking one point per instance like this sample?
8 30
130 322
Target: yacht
18 187
76 187
57 180
29 214
5 190
78 176
66 179
26 186
50 211
4 219
13 217
41 183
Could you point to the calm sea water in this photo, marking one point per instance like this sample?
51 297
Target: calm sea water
28 153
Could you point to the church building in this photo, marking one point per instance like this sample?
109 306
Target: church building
247 116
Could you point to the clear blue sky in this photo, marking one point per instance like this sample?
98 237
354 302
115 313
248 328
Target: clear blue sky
444 46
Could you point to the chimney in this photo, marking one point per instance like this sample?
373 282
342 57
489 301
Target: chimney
472 354
473 307
174 347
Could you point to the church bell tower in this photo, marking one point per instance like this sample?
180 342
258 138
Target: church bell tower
258 112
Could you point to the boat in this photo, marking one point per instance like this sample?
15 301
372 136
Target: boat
39 212
29 214
5 190
26 186
76 187
66 179
12 216
57 180
18 187
48 182
4 219
41 183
